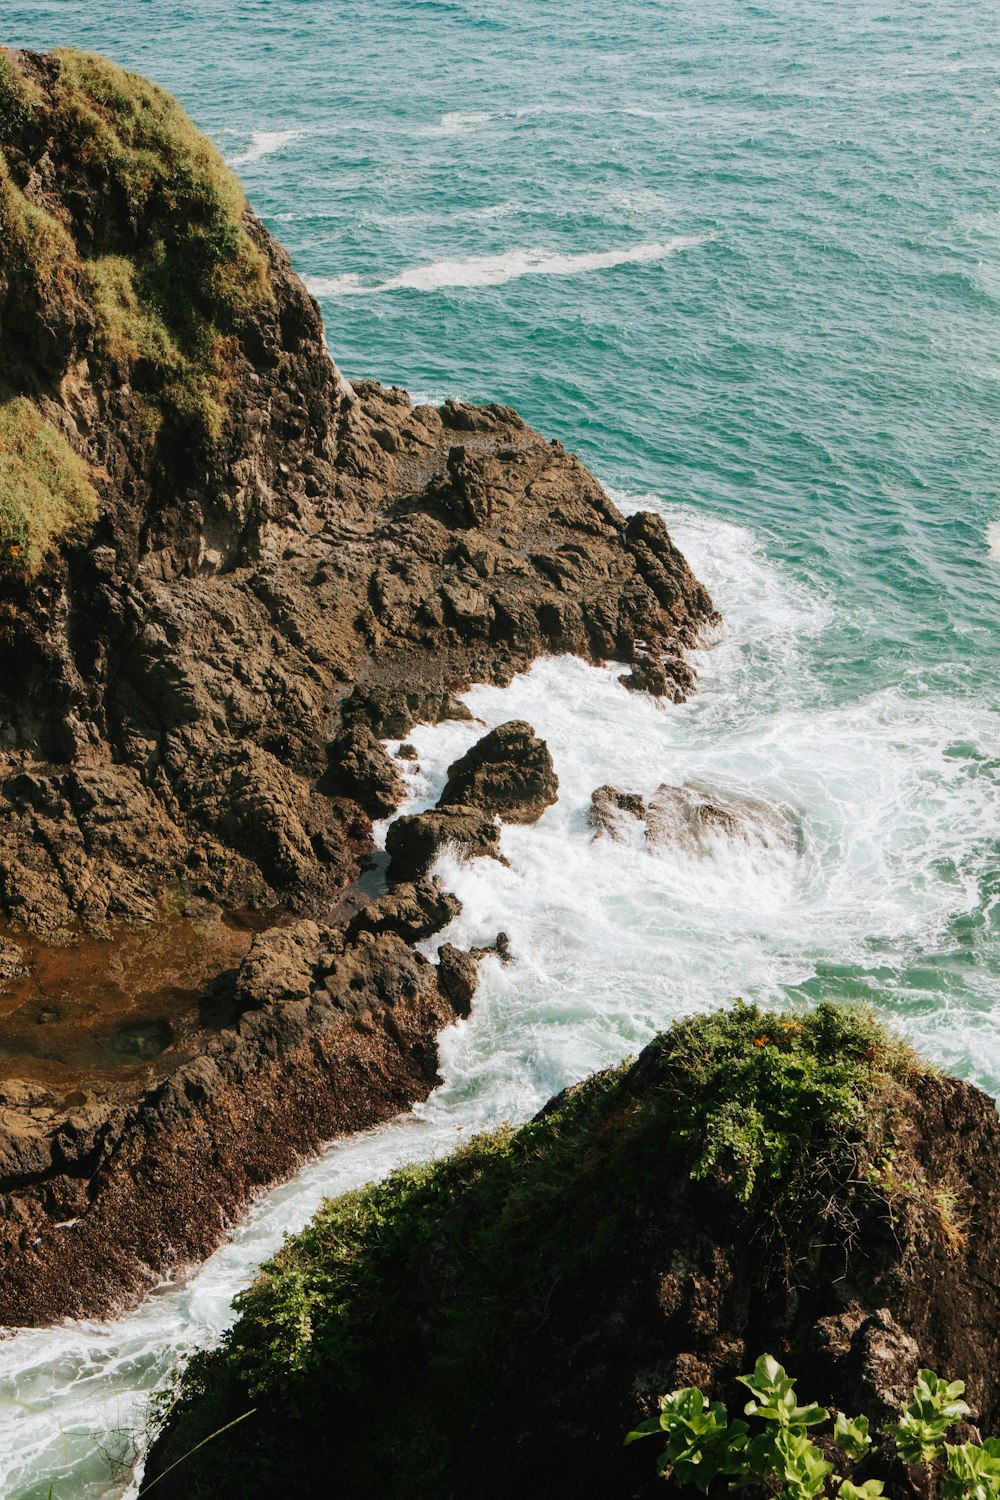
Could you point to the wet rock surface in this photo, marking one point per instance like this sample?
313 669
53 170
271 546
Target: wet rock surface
414 842
508 772
192 695
692 818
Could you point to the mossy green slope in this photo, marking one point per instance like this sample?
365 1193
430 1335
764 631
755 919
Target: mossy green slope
371 1345
45 486
157 275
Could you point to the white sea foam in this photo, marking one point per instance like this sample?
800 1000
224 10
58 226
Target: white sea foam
455 123
265 143
896 816
495 270
993 539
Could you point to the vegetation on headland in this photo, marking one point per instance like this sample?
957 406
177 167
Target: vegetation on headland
708 1452
45 487
144 244
371 1344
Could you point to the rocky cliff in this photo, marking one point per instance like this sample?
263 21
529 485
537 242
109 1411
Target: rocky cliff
225 576
493 1324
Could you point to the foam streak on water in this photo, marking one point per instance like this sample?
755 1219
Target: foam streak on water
494 270
889 882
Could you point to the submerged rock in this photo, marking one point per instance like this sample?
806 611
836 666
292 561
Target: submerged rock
613 811
692 818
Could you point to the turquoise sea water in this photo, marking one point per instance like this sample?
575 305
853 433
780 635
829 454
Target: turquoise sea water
745 259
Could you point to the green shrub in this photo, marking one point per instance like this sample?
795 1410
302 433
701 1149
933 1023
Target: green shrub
703 1445
182 275
177 192
45 487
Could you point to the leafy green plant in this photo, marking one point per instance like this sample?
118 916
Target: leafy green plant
936 1406
704 1445
701 1441
972 1473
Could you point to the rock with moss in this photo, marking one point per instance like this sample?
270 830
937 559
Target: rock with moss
493 1323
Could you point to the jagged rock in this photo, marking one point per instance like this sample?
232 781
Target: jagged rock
611 810
458 977
414 911
668 676
507 773
392 711
280 965
413 842
361 768
647 676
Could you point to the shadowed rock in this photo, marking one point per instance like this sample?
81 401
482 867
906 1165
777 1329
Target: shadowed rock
413 842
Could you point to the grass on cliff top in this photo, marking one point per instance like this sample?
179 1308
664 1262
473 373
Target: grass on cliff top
45 487
191 275
35 247
379 1327
19 95
175 188
165 262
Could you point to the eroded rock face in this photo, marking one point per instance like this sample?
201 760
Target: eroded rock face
193 687
612 812
334 1033
508 773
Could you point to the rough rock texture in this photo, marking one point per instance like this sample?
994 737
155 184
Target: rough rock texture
611 810
413 911
614 1276
283 570
414 842
508 772
332 1033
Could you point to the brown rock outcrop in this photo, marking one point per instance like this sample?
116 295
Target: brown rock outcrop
508 773
413 842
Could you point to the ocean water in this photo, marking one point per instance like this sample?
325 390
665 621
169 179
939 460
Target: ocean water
745 259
